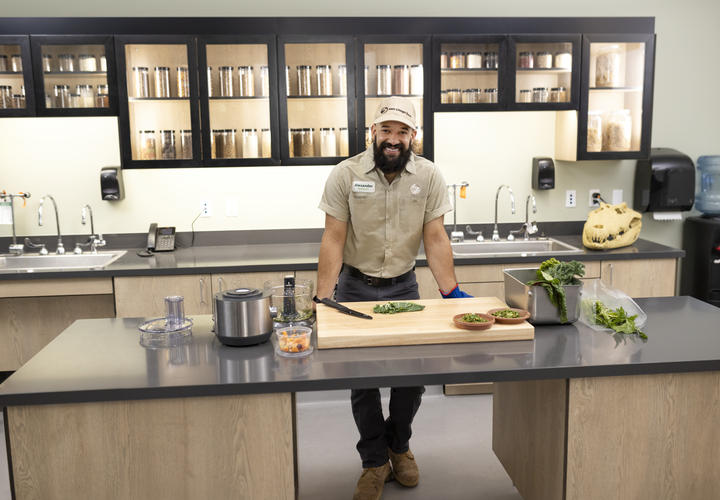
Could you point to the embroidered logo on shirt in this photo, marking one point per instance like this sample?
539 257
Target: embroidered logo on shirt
363 187
415 189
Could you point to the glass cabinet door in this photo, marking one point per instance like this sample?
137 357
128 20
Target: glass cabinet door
316 80
238 89
471 73
74 75
615 116
16 92
393 69
160 88
546 72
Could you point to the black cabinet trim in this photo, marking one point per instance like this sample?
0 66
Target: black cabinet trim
25 53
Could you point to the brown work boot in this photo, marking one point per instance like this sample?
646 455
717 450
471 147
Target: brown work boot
371 482
404 467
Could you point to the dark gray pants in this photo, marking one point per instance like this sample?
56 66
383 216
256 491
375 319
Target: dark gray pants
377 434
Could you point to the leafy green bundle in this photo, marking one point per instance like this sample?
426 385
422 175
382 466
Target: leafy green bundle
473 318
616 319
397 307
507 314
552 275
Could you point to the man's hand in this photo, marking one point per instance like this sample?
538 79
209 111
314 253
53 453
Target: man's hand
455 293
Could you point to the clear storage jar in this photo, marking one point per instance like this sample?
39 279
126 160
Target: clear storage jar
368 137
246 81
186 144
457 60
287 80
367 82
66 63
103 63
61 96
416 79
474 60
558 94
540 94
343 144
342 79
543 60
266 139
16 63
75 101
401 79
162 81
490 60
211 91
444 97
230 143
525 60
87 62
183 81
264 81
141 81
47 63
562 60
167 144
708 198
226 81
295 140
525 95
18 101
307 147
470 96
304 78
250 146
3 62
417 143
323 73
87 95
102 100
608 69
444 60
454 96
491 96
146 144
384 79
328 143
617 130
6 98
594 131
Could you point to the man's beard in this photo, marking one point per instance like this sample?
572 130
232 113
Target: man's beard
390 165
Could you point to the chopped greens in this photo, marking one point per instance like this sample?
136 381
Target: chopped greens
552 275
616 319
506 313
473 318
397 307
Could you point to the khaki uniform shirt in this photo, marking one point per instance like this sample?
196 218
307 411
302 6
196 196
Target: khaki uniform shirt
385 221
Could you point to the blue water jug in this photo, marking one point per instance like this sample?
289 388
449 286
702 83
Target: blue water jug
708 199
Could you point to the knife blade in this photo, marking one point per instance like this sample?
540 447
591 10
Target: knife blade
343 309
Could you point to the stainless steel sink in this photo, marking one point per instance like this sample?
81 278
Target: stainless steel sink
549 246
31 262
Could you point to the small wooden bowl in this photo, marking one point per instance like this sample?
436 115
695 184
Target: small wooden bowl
510 321
457 319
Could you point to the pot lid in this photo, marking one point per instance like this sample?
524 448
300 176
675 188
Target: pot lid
242 293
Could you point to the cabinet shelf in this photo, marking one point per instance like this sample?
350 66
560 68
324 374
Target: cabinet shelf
383 96
543 70
157 99
615 89
239 98
337 97
450 71
74 73
11 73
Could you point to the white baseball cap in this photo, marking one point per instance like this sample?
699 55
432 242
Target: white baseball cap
396 109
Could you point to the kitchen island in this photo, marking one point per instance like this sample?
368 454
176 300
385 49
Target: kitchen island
578 414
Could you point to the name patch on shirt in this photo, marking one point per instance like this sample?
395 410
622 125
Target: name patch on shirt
363 187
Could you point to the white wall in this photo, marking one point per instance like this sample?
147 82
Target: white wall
63 156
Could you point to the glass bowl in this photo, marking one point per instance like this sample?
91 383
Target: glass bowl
293 341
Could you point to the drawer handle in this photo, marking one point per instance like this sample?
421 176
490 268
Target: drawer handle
202 291
220 285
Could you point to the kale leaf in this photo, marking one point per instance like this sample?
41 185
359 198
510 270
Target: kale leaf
552 275
617 320
397 307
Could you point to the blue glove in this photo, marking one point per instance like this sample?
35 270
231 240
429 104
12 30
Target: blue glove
455 293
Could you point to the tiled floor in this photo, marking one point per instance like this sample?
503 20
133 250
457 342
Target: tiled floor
451 442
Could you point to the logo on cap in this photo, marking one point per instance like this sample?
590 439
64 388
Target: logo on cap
383 110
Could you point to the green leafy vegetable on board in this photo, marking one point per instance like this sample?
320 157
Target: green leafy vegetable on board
552 275
473 318
616 319
506 313
397 307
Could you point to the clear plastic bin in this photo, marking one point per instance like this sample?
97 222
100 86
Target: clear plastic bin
611 298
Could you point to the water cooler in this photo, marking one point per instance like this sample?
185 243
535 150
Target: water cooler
701 265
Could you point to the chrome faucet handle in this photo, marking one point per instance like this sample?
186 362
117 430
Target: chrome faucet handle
31 244
478 234
457 236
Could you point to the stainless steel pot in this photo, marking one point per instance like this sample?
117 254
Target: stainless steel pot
242 317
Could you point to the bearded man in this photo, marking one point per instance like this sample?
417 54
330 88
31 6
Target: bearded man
379 206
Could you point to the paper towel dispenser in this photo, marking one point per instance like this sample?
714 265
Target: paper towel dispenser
664 182
111 184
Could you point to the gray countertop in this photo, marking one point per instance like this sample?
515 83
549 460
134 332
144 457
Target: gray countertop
303 256
102 360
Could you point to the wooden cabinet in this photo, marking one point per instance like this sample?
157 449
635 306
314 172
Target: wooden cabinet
34 312
641 277
226 281
143 296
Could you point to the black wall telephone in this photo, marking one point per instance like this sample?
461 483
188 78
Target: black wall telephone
159 239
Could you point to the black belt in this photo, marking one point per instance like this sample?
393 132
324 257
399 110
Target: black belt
377 282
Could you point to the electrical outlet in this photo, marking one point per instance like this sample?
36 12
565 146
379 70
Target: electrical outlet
591 202
206 209
617 196
570 198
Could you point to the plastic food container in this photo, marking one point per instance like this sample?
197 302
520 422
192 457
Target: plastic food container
612 299
535 298
293 341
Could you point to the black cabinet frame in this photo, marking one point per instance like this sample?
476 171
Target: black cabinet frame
502 72
574 103
270 42
38 41
124 113
427 112
24 42
647 99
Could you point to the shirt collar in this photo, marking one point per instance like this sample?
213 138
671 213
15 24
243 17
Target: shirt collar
368 162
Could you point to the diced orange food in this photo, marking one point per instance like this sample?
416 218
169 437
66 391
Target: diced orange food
293 343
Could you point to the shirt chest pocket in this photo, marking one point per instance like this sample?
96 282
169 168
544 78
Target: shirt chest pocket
366 205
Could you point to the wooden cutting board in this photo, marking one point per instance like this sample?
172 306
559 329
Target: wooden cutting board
432 325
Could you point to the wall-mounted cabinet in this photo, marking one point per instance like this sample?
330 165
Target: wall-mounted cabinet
317 99
159 116
394 66
16 82
74 75
615 116
239 100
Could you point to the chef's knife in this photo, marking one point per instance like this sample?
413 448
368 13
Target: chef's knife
341 308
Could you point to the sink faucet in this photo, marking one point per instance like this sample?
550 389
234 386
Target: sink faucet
456 236
496 234
529 227
95 240
60 248
15 248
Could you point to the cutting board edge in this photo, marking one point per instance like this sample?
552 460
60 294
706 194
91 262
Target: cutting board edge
381 341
